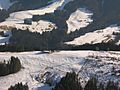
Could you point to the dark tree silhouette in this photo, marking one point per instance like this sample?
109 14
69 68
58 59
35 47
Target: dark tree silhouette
19 86
69 82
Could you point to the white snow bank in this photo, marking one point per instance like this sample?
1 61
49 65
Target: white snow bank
80 18
97 36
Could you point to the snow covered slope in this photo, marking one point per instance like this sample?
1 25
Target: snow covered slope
16 19
80 18
37 64
39 26
97 36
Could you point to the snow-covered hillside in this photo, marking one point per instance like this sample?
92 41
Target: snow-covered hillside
39 66
16 19
80 18
97 36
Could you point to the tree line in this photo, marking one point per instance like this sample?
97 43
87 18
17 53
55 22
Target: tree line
109 46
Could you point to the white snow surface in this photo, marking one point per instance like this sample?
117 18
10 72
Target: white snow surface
40 26
97 36
55 65
16 19
79 19
5 4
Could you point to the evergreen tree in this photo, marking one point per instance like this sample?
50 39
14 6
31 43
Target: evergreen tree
91 85
112 86
69 82
101 87
19 86
10 67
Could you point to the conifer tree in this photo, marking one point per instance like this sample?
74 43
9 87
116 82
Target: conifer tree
91 85
69 82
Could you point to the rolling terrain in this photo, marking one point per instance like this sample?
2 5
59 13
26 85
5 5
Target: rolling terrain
53 37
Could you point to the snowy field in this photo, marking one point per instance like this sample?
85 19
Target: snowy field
40 26
39 67
97 36
79 19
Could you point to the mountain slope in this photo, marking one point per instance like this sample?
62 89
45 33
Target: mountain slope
64 17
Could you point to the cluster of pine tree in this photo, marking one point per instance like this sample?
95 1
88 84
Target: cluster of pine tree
12 66
19 86
3 15
72 82
25 40
69 82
